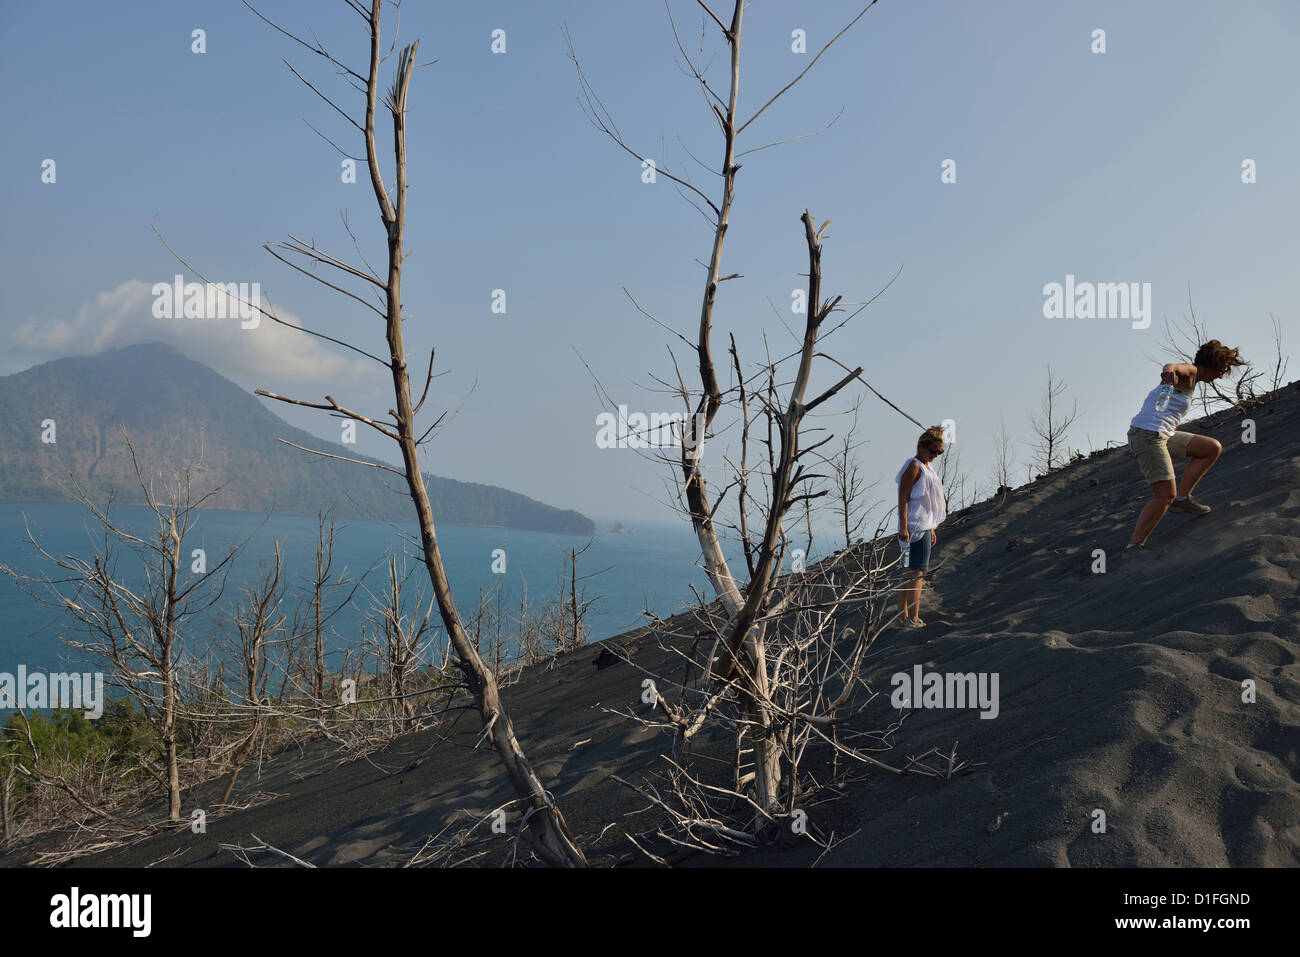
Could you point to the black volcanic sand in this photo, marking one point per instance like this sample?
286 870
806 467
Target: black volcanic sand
1119 691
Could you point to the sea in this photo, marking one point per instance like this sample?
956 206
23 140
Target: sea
626 572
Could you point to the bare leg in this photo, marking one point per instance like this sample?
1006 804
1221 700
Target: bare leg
1162 495
1203 452
909 594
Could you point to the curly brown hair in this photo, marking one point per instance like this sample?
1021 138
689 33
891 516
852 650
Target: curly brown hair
1215 355
929 438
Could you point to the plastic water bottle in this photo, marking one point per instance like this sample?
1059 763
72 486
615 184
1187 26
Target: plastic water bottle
1162 400
904 547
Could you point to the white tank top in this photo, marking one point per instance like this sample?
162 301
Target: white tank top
1166 422
926 507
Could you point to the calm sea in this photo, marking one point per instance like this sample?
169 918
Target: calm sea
653 568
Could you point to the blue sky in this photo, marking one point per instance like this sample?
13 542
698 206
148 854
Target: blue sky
1115 167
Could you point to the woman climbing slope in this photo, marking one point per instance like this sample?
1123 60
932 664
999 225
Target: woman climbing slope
1154 437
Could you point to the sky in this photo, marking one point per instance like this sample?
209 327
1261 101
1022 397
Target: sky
1122 166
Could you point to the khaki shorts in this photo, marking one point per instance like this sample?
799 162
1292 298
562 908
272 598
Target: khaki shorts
1155 452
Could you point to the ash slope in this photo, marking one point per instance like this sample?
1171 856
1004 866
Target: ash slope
1119 692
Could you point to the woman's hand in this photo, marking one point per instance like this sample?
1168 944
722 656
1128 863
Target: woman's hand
934 538
1179 375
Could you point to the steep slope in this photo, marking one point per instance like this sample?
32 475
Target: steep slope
173 407
1119 692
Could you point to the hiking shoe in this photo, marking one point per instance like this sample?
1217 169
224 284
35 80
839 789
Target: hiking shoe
1189 505
912 623
1135 550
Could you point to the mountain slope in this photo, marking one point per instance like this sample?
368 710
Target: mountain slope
173 407
1120 692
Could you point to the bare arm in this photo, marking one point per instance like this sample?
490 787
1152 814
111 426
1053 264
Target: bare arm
1180 375
905 484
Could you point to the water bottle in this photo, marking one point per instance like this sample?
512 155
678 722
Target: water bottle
904 547
1162 400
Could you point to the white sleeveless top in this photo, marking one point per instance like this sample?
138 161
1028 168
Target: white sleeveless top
926 507
1166 422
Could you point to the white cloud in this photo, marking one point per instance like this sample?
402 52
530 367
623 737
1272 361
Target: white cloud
269 355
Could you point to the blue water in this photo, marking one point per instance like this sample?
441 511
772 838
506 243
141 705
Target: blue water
651 568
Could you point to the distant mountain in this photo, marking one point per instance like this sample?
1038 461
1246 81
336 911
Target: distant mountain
172 406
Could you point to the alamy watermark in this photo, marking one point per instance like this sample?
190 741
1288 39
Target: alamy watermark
213 300
936 690
38 690
1101 300
653 430
76 910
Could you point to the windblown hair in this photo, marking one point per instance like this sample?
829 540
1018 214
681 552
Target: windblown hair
1215 355
930 438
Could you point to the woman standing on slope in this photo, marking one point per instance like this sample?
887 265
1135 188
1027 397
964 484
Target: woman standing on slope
1155 440
921 508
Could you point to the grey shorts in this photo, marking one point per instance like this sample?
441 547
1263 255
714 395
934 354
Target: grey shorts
1156 453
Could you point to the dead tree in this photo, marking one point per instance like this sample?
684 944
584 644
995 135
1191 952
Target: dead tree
399 424
258 620
531 630
318 587
137 626
324 595
569 621
849 487
1181 342
699 506
1004 456
704 404
1281 361
1051 425
743 664
792 673
402 638
953 478
10 771
772 705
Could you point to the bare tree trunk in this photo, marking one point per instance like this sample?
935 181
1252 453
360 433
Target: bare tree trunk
168 672
545 821
697 497
318 600
747 657
1050 428
756 696
575 639
737 660
255 626
6 805
137 629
